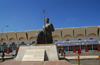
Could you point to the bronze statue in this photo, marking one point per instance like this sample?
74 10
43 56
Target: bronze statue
45 36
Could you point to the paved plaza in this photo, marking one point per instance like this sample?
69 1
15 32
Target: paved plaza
85 58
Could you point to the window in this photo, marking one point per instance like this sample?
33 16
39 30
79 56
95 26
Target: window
67 40
89 47
32 43
91 38
13 46
4 47
79 39
77 48
82 47
23 43
55 41
59 49
95 47
66 48
70 48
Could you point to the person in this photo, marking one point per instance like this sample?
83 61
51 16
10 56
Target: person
3 56
16 53
64 53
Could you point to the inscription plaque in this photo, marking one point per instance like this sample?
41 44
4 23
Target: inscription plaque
34 55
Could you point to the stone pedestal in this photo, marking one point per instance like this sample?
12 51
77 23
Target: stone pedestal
46 54
51 53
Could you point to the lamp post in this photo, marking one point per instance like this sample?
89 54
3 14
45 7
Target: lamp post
1 34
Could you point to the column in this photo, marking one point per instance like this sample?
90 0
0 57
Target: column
8 47
28 42
62 48
7 50
74 49
86 48
17 48
98 46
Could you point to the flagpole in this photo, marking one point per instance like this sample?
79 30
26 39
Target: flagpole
44 25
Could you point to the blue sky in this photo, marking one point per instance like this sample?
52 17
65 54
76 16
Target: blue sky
23 15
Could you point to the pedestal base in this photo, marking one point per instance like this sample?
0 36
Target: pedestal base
51 53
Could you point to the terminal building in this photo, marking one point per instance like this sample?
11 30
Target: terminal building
86 39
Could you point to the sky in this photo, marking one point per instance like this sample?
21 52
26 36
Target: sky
25 15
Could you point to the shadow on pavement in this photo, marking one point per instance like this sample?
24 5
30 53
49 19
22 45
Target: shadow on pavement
64 59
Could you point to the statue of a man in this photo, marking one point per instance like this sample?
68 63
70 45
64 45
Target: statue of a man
48 29
45 36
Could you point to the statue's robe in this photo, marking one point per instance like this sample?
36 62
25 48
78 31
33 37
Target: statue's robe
45 36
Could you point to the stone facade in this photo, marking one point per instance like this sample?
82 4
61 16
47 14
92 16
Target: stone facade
12 40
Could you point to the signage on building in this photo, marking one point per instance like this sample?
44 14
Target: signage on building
86 42
65 44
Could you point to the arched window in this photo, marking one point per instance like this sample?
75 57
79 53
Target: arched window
67 40
13 46
4 47
32 43
79 39
55 41
91 38
23 43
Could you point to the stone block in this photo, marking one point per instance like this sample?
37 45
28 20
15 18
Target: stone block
51 53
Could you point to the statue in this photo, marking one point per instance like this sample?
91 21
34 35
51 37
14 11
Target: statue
45 36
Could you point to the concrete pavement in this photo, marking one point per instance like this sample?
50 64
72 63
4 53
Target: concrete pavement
85 58
91 55
67 57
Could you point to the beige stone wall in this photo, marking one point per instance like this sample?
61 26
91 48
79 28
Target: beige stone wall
61 33
90 30
67 31
3 35
21 34
99 30
79 31
57 32
39 30
11 35
32 33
